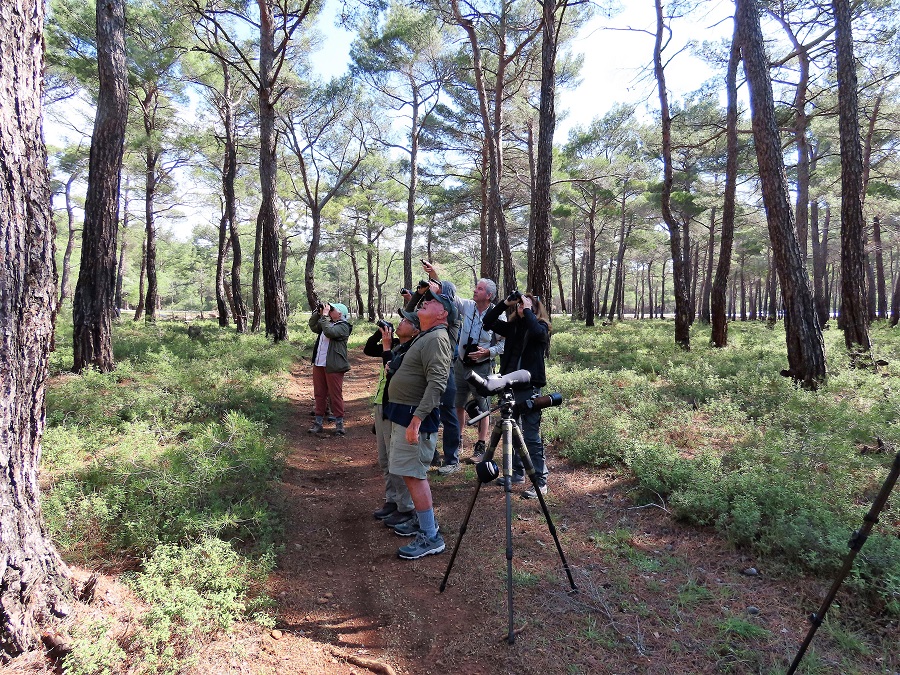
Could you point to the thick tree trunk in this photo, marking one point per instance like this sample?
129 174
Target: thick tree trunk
221 293
805 346
33 578
257 277
853 234
539 263
92 308
357 286
274 296
706 294
723 268
676 229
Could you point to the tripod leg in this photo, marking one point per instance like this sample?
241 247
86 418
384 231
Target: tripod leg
529 470
495 438
507 472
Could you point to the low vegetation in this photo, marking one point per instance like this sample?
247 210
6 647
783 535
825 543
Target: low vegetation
163 469
719 438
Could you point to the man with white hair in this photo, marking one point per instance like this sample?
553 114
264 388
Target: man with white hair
476 349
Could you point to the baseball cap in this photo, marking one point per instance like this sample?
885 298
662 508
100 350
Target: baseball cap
412 317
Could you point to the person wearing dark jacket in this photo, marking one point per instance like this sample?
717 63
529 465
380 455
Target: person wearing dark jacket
527 334
330 362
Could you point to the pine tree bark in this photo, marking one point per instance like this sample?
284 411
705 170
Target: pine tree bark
123 237
718 307
541 253
274 296
33 579
854 312
676 229
805 346
64 291
92 308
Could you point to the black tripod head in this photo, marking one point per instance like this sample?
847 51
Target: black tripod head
503 386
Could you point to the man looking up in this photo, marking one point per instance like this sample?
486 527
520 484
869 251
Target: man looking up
476 349
414 394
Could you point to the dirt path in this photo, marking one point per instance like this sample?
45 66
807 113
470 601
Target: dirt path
654 597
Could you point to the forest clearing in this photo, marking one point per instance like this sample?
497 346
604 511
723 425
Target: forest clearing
198 438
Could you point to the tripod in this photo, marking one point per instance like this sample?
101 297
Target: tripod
507 429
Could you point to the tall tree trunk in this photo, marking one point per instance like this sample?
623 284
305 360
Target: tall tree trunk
590 269
679 263
539 264
120 267
257 274
880 283
805 346
357 287
150 219
723 268
64 290
561 287
411 194
705 312
853 233
33 578
139 310
819 245
273 281
312 297
221 292
92 307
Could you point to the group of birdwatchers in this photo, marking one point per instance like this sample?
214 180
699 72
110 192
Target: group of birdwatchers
422 387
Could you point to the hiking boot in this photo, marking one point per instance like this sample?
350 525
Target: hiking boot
315 428
421 547
531 493
397 517
408 528
385 511
477 453
501 482
339 429
447 469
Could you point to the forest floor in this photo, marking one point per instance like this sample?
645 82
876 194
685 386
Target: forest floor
653 596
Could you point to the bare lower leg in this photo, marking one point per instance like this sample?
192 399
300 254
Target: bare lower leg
420 491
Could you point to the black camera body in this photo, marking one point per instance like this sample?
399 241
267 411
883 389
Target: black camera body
423 284
381 323
405 291
514 296
468 348
320 307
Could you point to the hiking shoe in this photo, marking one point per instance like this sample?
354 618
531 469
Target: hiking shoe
339 429
315 429
408 528
385 511
477 453
447 469
397 517
531 493
501 482
421 547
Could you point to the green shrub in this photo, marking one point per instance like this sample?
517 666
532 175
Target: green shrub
93 650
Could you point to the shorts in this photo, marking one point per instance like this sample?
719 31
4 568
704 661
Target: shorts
464 390
405 459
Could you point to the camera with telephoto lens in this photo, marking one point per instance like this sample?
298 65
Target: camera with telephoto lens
381 323
515 296
405 291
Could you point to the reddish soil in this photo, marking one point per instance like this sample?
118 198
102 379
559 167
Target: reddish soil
654 596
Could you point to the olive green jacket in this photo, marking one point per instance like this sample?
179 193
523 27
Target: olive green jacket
337 332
